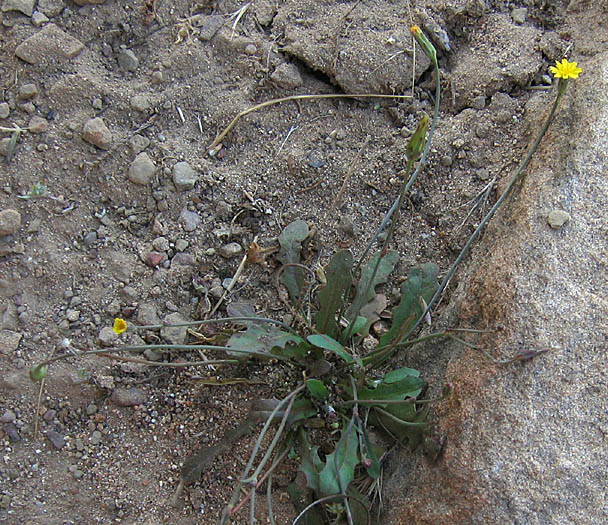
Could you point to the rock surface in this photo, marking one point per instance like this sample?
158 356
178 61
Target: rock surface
526 442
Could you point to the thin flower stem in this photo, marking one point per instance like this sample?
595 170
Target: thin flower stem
220 320
229 511
135 348
414 175
518 174
222 135
393 213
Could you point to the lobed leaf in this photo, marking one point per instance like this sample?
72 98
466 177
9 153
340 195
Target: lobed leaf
339 469
422 282
331 297
291 244
366 292
327 343
262 338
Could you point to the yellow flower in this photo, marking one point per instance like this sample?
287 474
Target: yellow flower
565 69
120 325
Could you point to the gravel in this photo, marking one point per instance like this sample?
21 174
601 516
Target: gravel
10 222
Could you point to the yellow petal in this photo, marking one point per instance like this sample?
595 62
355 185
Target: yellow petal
120 325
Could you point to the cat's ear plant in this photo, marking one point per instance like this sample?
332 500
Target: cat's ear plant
324 422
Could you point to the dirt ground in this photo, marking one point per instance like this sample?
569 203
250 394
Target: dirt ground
119 230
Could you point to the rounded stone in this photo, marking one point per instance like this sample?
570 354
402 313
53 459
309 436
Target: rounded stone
5 110
557 218
140 103
97 133
142 169
127 60
10 221
184 176
230 250
287 76
38 124
107 336
28 91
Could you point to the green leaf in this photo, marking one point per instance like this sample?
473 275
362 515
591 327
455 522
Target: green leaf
371 313
11 145
291 244
300 352
422 282
369 452
366 293
359 505
340 465
38 372
331 297
327 343
317 389
262 408
407 387
311 464
399 374
411 428
261 338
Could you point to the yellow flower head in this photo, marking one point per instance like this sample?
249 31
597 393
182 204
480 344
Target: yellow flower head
120 325
565 69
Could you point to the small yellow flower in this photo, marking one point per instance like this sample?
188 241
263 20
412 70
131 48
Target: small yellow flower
120 325
565 69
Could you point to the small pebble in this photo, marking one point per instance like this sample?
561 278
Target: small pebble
79 444
287 76
154 259
56 439
23 6
39 19
230 250
557 218
138 143
127 60
12 432
347 226
175 335
156 77
184 176
142 169
91 409
97 104
72 315
5 110
8 417
10 222
38 125
181 245
182 259
77 474
140 103
27 91
49 415
152 354
209 26
97 133
189 219
90 239
127 398
107 336
519 15
160 244
96 437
